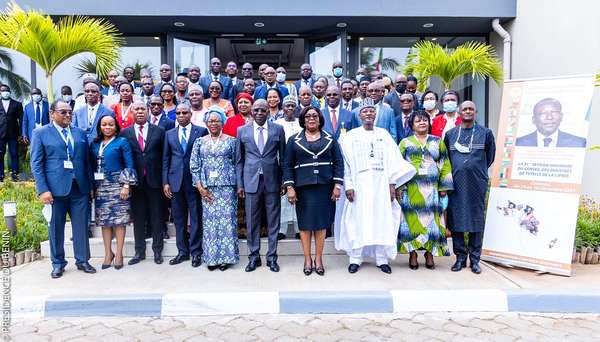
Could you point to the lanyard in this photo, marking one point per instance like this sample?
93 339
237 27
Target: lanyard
103 146
66 140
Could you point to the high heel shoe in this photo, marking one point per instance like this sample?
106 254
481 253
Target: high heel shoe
413 265
105 266
119 266
308 271
429 257
319 270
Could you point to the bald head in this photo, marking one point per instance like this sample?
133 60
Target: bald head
468 110
333 96
259 111
183 114
375 91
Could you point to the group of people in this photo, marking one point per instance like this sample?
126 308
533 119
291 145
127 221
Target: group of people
380 167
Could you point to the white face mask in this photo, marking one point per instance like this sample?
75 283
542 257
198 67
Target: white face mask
67 98
429 104
36 98
280 77
5 95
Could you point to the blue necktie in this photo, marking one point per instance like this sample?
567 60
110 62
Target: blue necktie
183 140
38 119
70 151
547 141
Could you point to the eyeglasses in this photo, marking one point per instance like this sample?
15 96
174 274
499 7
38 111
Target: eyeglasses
166 91
165 70
64 112
312 116
257 110
155 104
247 69
213 122
214 88
182 113
332 95
405 101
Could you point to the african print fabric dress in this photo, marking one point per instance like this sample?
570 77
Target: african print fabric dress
421 207
212 163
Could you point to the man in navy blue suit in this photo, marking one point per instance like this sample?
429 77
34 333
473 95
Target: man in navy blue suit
337 119
166 76
406 109
157 115
347 92
112 84
35 115
305 77
63 178
215 75
547 116
270 82
179 187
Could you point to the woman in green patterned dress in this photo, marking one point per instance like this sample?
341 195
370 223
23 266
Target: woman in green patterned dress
421 196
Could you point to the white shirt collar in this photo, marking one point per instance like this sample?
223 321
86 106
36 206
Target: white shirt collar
61 128
158 117
541 137
188 128
265 126
337 109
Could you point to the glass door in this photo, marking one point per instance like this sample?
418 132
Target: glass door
323 51
186 50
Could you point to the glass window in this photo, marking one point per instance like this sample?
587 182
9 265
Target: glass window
188 53
325 54
141 53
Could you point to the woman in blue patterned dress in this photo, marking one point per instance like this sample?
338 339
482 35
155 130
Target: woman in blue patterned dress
212 165
113 174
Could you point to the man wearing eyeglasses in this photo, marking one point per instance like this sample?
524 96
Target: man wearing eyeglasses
166 76
86 117
260 149
403 128
157 115
61 168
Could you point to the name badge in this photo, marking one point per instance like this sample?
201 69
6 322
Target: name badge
98 176
213 174
68 165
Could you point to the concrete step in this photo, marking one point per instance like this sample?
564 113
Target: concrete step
286 247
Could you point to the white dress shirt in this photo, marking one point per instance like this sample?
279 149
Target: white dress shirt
92 112
188 130
144 132
5 104
337 113
158 117
553 137
265 132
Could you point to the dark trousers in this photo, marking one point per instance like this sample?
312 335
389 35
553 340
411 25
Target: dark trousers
146 204
185 202
255 203
473 249
76 204
13 151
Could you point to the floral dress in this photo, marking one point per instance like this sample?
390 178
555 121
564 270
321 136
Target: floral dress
421 207
212 164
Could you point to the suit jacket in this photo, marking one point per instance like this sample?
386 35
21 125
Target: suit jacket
299 83
10 121
104 91
385 119
29 118
235 89
393 100
48 153
80 120
176 162
354 104
401 132
249 160
261 92
344 121
164 122
150 159
564 140
225 81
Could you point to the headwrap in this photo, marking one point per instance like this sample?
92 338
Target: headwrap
244 95
366 103
193 86
215 110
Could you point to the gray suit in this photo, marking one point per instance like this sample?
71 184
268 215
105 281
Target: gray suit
259 174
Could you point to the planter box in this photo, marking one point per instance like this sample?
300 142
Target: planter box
19 258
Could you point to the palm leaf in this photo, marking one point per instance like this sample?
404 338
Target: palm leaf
18 85
49 44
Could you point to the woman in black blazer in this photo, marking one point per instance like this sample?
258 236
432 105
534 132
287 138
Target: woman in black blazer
313 172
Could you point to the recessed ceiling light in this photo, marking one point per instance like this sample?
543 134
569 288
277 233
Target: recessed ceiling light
157 38
259 24
434 39
341 25
179 24
362 38
428 25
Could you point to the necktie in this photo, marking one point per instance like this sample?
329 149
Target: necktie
337 81
183 140
141 137
38 119
333 119
405 123
70 151
154 120
90 117
215 78
547 141
261 139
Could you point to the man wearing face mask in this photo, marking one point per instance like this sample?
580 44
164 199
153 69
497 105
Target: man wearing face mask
393 97
35 115
11 114
360 73
270 82
66 94
306 78
337 72
280 78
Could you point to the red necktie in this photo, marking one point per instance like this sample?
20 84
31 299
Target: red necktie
333 119
141 137
154 119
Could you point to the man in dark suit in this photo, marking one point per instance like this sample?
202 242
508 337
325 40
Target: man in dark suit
11 114
337 74
179 187
112 84
547 116
237 85
393 97
147 203
347 92
305 77
87 116
215 75
63 178
258 169
129 74
35 115
337 119
403 128
166 76
66 94
147 91
157 115
194 74
270 82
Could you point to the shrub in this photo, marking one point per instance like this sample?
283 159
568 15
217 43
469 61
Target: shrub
588 224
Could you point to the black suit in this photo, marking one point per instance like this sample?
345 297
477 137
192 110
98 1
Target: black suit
236 88
164 122
10 130
147 202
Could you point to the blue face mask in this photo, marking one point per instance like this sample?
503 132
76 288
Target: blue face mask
36 98
337 72
450 106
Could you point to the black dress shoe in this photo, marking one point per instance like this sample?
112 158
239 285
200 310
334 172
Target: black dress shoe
458 265
213 267
196 261
57 272
475 268
105 266
280 236
179 259
158 259
385 268
353 268
223 267
253 264
136 259
86 267
166 235
273 266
